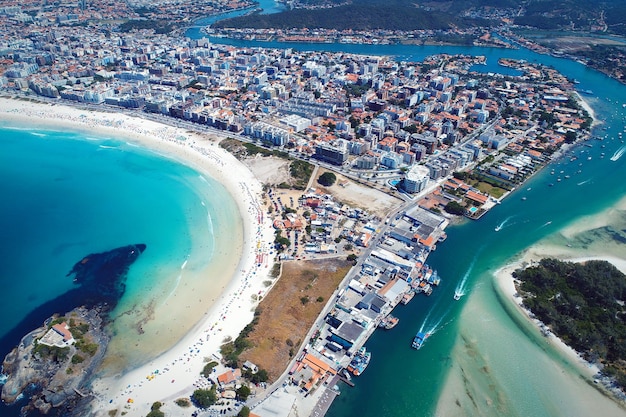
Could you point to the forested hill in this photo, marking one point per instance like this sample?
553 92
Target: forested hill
603 16
362 15
583 304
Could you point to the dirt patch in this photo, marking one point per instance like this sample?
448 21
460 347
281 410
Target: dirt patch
357 195
269 170
290 309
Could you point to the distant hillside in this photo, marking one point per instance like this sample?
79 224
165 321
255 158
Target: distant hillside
365 15
604 16
608 15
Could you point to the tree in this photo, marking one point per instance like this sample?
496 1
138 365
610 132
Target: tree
244 412
155 410
204 398
352 258
260 376
454 208
243 392
208 369
570 136
327 179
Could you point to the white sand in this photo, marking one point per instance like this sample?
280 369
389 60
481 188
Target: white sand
505 281
178 368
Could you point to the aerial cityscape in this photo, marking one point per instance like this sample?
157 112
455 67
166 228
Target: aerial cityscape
309 208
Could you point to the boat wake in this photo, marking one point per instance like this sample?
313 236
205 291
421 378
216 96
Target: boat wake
504 223
461 287
584 182
546 224
430 327
618 154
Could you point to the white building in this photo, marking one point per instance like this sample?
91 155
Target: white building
416 179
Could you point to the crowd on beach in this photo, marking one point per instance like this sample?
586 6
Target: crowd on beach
176 373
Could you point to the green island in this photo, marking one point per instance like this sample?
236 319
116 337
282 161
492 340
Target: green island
582 303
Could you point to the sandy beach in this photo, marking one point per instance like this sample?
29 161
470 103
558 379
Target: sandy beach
175 373
504 280
473 387
585 105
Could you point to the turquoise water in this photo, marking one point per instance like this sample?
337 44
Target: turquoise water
65 197
505 369
501 361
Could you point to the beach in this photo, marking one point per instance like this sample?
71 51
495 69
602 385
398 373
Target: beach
473 387
208 313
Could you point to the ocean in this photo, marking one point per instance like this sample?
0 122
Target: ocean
67 195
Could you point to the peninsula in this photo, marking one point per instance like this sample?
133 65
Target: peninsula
436 140
53 363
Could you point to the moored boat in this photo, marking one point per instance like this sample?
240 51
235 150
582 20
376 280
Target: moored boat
408 296
359 362
388 322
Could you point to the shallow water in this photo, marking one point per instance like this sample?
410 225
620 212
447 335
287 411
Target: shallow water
66 197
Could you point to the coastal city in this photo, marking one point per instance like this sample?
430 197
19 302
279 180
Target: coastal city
442 140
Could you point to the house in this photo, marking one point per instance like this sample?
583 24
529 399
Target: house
252 367
59 335
310 370
229 377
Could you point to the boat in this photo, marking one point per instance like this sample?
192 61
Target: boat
434 279
457 296
388 322
418 340
408 296
359 362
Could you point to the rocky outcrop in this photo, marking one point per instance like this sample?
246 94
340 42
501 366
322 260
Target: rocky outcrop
56 377
57 380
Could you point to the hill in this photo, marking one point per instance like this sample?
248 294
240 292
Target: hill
606 16
365 15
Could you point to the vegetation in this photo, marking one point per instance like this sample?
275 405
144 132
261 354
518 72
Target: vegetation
245 149
242 393
363 15
281 242
454 208
583 304
54 353
204 398
231 350
283 315
155 410
327 179
300 171
77 359
159 26
208 369
182 402
86 347
244 412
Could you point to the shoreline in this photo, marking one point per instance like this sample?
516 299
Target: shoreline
233 307
505 285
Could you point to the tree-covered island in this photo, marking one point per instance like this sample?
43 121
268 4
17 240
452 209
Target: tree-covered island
583 304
